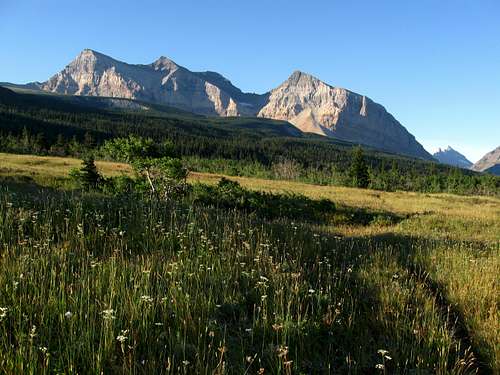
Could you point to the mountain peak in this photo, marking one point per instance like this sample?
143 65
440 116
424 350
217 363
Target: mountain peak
90 56
299 75
317 107
163 59
307 102
87 52
452 157
164 63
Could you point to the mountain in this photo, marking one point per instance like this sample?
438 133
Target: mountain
489 163
60 119
305 101
452 157
162 81
315 107
493 170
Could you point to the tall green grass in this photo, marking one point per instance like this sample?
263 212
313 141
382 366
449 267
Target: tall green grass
95 284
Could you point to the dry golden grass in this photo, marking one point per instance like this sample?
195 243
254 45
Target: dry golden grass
51 166
445 215
397 202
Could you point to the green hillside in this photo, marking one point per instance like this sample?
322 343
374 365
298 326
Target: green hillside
68 125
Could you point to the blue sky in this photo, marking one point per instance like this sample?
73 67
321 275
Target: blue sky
434 64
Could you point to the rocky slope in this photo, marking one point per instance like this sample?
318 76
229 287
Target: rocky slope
162 81
452 157
313 106
308 103
489 162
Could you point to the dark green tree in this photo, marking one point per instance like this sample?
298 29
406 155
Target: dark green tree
25 140
359 170
88 176
88 141
38 143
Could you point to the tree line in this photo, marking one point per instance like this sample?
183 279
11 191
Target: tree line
215 145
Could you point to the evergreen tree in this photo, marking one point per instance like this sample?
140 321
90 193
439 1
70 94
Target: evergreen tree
59 147
25 140
89 176
88 141
359 169
38 143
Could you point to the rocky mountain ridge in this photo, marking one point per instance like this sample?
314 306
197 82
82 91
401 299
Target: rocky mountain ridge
452 157
489 162
303 100
316 107
162 81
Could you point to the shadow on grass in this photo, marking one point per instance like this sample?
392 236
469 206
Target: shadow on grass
450 312
350 341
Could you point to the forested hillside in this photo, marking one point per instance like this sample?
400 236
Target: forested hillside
65 125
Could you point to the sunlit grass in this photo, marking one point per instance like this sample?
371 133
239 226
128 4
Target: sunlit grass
129 285
445 215
469 277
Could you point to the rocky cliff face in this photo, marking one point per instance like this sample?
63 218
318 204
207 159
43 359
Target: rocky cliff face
489 162
313 106
163 81
305 101
452 157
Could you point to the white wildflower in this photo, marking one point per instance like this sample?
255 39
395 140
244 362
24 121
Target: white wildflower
3 312
68 314
122 336
33 332
108 314
147 299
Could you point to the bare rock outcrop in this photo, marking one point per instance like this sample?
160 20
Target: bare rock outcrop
452 157
314 106
163 81
489 162
305 101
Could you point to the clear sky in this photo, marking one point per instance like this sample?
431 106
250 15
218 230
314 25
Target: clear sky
434 64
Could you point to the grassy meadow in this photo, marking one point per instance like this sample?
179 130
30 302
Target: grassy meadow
390 283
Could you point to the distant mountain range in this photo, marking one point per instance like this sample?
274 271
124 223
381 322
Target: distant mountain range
452 157
489 163
303 100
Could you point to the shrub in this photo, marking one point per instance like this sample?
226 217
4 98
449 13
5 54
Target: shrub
230 195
